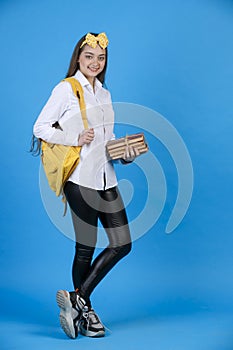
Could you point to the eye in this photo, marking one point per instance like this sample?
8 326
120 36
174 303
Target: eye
89 57
101 58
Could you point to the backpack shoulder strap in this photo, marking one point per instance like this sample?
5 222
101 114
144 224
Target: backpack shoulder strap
78 92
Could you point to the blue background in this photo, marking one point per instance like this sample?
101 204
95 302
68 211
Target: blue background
174 56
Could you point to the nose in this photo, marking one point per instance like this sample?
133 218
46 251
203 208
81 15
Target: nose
95 60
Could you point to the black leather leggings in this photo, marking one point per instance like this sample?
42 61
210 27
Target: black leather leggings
87 206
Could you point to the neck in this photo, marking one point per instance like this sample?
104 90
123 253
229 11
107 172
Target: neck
91 81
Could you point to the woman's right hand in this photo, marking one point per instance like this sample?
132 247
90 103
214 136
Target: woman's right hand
86 137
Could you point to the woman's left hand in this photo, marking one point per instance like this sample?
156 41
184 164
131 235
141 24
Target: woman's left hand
130 154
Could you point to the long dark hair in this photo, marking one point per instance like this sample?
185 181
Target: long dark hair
73 68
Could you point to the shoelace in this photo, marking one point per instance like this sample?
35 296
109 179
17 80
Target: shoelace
91 316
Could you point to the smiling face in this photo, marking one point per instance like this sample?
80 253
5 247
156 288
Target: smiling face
92 61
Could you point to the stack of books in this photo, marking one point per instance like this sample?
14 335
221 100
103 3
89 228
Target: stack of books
116 148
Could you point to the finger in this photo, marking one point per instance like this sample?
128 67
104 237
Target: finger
127 152
91 131
136 152
89 138
131 152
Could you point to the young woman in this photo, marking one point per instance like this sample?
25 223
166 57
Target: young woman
91 190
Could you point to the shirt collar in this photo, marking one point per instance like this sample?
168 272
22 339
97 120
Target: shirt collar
83 80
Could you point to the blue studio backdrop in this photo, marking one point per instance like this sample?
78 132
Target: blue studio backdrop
175 57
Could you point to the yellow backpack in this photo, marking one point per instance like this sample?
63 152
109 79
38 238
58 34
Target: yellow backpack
59 161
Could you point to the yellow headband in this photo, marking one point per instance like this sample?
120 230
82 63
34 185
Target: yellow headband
93 40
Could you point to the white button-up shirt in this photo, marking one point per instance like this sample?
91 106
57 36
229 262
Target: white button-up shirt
94 170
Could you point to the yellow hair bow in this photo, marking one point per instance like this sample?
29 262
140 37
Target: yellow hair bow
93 40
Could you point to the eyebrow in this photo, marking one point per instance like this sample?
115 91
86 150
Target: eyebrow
91 53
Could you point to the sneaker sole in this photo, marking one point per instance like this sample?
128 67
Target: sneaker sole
66 320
